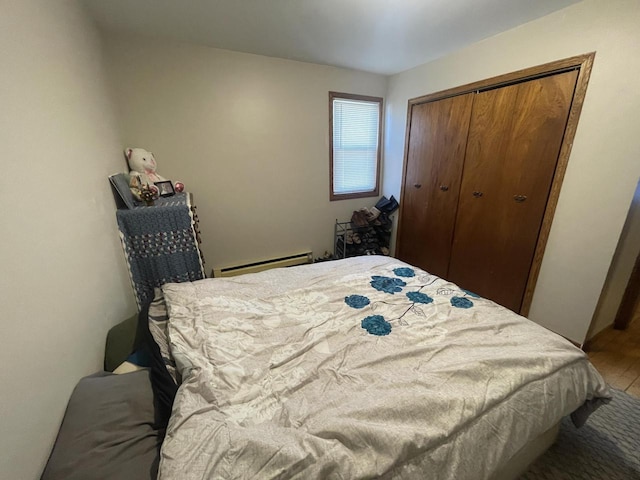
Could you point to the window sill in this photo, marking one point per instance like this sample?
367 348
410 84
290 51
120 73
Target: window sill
347 196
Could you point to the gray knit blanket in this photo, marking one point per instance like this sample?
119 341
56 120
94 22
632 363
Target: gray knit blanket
160 245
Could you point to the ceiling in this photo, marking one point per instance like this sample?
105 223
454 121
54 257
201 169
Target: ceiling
381 36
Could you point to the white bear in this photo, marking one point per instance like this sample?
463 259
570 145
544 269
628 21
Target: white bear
143 165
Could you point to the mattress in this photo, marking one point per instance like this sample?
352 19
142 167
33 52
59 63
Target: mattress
359 368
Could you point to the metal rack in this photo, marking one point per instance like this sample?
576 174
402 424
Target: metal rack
371 239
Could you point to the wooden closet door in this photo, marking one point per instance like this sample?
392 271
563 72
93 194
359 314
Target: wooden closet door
435 157
514 141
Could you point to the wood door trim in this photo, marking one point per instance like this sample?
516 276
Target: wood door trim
579 61
584 63
585 66
404 173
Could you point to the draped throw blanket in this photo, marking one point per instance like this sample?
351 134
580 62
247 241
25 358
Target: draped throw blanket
160 245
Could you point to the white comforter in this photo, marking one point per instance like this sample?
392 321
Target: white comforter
358 368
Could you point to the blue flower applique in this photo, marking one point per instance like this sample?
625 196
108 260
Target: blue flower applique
357 301
471 294
461 302
376 325
418 297
387 284
404 272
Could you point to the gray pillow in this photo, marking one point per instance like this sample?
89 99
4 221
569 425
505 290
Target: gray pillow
107 431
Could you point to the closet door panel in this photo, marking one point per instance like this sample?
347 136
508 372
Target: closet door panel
435 158
514 141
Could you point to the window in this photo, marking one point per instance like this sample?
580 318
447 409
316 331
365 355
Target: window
355 123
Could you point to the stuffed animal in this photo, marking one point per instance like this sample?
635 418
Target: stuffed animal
143 165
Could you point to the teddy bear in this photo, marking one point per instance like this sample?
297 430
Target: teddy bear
143 165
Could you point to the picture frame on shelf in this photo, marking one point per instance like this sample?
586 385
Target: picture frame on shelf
121 190
165 188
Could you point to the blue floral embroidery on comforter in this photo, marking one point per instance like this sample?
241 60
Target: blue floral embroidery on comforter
461 302
419 297
404 272
387 284
357 301
381 326
376 325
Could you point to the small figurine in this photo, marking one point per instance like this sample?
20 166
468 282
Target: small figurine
143 192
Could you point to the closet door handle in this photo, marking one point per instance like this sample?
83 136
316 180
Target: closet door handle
418 185
519 198
477 194
444 188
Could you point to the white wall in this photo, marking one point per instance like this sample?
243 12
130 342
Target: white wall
620 271
63 280
605 161
247 134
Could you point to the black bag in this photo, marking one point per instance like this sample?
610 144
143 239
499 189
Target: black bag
386 205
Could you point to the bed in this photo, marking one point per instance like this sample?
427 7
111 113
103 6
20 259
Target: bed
359 368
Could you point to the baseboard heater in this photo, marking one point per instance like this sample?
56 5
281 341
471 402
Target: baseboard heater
290 261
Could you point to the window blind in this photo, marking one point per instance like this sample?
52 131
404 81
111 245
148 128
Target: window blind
355 145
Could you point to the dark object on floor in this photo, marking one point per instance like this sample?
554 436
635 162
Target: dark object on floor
606 448
121 342
107 431
164 388
325 258
387 206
